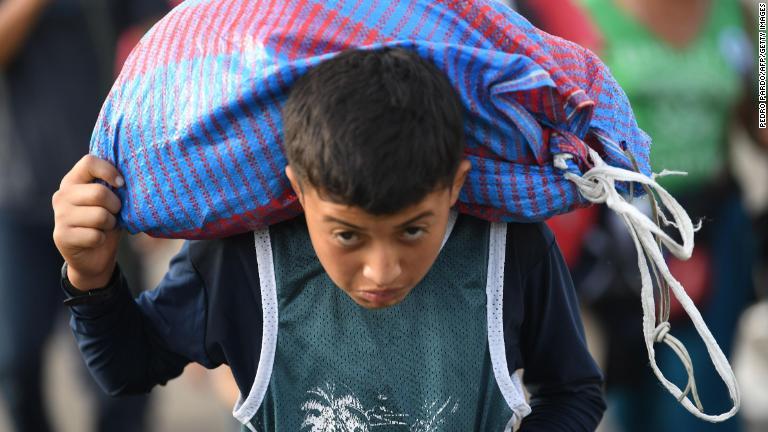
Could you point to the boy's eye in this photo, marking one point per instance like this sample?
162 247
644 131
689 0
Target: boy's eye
413 233
347 238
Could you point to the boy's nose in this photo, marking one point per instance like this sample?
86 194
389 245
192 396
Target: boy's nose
382 268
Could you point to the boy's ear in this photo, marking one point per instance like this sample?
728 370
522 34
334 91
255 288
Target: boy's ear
294 184
459 179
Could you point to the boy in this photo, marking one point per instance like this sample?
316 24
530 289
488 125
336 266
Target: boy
392 311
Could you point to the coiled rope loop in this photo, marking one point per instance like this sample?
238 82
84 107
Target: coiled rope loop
598 186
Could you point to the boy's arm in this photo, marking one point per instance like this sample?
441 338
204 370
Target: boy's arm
127 344
131 346
564 380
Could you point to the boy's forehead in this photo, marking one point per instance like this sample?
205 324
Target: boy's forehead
330 211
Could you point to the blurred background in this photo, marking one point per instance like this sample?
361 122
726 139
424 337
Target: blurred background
689 68
58 59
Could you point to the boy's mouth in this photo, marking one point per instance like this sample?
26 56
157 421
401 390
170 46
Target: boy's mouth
380 297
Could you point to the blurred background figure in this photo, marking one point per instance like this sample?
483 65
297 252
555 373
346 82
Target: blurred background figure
57 61
56 65
564 18
687 68
751 349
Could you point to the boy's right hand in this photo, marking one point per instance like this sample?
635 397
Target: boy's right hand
85 232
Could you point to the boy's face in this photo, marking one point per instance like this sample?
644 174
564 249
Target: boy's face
377 260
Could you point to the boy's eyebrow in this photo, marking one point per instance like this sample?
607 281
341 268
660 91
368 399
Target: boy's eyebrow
417 217
327 218
424 214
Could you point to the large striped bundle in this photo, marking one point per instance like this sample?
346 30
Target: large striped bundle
193 121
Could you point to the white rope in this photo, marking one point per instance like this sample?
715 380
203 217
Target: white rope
598 186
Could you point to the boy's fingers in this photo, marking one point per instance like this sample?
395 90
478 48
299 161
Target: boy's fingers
91 168
92 194
91 217
84 238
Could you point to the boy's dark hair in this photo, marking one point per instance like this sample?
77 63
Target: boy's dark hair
377 129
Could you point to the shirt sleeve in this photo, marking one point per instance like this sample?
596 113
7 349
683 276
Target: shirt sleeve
560 373
131 346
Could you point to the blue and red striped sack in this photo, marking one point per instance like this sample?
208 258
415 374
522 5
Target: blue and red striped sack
193 120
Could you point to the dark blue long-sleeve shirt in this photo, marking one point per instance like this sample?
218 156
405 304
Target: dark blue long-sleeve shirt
207 310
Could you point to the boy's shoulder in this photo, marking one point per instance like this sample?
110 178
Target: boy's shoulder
234 257
528 244
533 236
220 249
223 261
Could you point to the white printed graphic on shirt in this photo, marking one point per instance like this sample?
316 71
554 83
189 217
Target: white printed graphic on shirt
329 410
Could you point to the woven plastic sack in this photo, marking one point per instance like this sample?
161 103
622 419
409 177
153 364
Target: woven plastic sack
193 120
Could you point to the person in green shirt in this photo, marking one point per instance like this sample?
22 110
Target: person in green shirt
683 66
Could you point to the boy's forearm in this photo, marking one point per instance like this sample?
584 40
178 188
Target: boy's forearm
578 408
120 347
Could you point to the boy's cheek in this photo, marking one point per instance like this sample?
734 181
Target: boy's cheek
340 267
